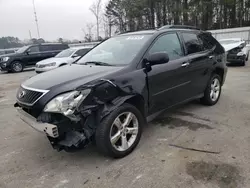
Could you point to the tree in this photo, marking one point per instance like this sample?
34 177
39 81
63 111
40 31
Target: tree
88 34
60 40
96 10
41 40
10 42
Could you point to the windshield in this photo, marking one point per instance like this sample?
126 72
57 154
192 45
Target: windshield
117 51
65 53
229 41
23 49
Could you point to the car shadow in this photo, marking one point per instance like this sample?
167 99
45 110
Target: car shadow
25 70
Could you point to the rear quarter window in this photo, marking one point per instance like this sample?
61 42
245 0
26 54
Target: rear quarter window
54 47
209 42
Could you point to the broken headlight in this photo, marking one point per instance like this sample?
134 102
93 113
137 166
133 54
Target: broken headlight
66 103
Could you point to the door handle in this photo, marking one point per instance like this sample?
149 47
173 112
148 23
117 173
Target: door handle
185 64
211 57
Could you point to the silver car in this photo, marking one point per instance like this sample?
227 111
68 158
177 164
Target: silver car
63 58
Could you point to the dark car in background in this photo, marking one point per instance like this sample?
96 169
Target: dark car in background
7 51
109 94
29 55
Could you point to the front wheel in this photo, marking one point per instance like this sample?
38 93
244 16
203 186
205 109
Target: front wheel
120 132
16 66
213 91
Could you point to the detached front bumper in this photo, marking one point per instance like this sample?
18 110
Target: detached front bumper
48 129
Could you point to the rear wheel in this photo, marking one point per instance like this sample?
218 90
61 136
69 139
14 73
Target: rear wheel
213 91
120 132
16 66
243 63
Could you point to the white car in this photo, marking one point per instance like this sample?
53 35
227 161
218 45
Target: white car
63 58
236 49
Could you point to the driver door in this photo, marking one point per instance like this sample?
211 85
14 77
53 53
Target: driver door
33 55
168 83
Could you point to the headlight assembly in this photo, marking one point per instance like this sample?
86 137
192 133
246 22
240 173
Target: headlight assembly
4 59
240 54
50 64
66 103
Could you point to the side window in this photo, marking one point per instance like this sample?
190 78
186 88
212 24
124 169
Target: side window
33 49
170 44
58 47
192 43
45 48
81 52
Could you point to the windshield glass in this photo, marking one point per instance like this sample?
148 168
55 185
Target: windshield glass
23 49
65 53
229 41
117 51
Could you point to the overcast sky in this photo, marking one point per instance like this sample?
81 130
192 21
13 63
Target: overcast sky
56 18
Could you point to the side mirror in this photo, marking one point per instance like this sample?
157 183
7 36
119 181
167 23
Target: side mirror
158 58
28 52
74 55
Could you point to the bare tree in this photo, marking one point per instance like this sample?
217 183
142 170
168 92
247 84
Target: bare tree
96 10
88 34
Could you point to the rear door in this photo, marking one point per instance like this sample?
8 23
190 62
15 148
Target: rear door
200 61
168 83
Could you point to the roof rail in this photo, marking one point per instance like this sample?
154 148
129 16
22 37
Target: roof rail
178 27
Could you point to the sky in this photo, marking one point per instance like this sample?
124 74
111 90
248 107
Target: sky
56 18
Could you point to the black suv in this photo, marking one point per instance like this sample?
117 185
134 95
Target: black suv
112 91
29 56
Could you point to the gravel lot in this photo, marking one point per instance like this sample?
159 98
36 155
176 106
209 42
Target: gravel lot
27 159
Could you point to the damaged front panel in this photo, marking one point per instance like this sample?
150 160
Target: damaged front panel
105 96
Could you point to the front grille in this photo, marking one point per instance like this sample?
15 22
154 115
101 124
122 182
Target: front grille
28 96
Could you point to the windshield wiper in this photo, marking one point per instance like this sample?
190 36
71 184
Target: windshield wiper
97 63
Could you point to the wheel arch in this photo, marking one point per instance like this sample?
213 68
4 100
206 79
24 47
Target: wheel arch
220 72
139 102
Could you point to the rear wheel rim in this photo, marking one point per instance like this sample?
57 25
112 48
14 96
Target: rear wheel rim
124 131
17 67
215 89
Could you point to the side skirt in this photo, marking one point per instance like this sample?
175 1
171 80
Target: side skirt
153 116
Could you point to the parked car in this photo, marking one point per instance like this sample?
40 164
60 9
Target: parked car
63 58
29 55
236 50
110 93
7 51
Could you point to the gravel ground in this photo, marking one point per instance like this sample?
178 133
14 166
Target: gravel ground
162 159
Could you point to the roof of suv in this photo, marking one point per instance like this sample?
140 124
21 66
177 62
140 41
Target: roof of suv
163 28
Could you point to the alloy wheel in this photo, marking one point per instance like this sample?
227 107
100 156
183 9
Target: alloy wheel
17 67
124 131
215 89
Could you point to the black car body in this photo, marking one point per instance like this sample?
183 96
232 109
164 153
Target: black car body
29 56
94 99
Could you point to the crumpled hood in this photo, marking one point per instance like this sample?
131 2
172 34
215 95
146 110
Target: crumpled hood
69 77
228 47
56 60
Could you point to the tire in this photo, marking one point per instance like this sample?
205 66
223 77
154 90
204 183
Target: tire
210 99
108 129
243 63
17 66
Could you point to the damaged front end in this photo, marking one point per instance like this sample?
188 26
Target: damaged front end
70 119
